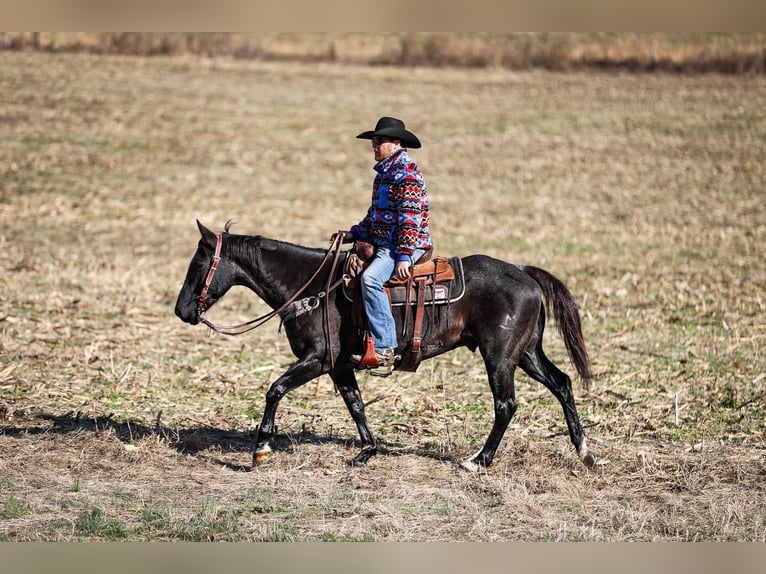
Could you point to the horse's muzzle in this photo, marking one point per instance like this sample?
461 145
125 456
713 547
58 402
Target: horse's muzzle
188 313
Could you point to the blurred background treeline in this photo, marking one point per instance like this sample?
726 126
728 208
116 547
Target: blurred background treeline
726 53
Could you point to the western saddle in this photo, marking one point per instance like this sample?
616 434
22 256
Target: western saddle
427 273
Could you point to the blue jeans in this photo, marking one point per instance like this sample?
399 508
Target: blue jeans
376 304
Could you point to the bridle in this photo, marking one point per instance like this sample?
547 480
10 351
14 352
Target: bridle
333 253
202 305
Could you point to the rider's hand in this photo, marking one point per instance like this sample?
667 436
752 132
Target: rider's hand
347 238
402 270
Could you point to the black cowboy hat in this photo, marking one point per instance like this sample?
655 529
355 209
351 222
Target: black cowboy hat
392 128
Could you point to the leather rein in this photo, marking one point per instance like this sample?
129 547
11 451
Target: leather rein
333 255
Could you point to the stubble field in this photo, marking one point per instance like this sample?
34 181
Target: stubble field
644 193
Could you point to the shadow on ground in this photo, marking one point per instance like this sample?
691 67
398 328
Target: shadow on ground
196 441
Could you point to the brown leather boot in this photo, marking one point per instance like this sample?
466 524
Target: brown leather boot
385 358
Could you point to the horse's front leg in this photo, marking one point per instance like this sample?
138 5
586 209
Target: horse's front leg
345 381
298 374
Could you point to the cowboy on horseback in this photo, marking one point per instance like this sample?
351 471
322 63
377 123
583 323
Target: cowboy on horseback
396 224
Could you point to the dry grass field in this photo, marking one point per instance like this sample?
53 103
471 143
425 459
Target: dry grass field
644 193
729 53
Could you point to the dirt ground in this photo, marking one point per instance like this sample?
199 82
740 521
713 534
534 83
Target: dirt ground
643 193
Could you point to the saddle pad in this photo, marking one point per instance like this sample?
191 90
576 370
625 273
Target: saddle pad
437 294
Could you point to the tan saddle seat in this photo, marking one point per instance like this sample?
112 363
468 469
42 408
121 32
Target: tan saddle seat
432 271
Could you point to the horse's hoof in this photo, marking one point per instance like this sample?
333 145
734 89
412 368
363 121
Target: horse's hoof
470 466
586 456
261 455
589 459
365 455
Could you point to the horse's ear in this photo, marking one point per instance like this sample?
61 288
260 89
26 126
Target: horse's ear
207 235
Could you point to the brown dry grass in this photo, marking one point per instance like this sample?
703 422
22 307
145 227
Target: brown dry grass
644 193
677 52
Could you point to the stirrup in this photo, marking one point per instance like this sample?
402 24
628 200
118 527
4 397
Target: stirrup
381 371
370 357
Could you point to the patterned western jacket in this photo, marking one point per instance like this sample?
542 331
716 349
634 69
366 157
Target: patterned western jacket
398 214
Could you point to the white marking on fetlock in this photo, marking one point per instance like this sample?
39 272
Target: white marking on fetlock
586 456
262 454
583 451
470 465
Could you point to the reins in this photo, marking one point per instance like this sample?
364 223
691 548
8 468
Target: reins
232 330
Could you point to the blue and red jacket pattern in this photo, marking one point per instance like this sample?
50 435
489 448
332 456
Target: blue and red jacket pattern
398 214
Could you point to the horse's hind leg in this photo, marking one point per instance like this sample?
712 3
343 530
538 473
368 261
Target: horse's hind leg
540 368
504 396
345 381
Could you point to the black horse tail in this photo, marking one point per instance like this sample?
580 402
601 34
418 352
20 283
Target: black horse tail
558 297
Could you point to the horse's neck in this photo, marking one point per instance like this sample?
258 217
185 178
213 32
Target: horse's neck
277 270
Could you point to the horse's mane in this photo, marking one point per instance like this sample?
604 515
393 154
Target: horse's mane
247 246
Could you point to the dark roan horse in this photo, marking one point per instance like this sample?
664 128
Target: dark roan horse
502 313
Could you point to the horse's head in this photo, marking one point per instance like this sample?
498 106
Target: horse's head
207 279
